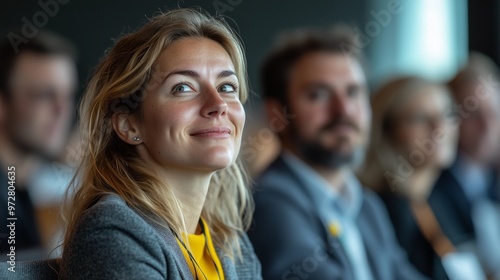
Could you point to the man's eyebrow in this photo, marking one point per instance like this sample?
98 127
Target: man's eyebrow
359 86
315 85
323 85
356 85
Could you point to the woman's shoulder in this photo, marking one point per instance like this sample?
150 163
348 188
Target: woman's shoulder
248 267
113 235
111 209
111 216
109 201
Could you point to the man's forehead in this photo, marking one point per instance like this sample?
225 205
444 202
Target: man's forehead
335 59
327 65
33 58
39 69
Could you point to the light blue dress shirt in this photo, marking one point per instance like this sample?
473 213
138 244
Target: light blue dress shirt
339 207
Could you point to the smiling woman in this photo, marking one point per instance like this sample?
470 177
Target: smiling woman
160 191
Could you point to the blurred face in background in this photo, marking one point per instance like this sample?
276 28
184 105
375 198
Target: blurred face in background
40 108
194 118
421 131
480 126
327 94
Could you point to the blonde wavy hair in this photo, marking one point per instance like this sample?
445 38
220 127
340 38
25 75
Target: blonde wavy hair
109 165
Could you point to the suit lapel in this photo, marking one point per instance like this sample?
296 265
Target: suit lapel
455 192
169 238
336 251
372 245
331 244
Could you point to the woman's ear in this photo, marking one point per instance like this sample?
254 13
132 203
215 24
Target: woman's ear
126 127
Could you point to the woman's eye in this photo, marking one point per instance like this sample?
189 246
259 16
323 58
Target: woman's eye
181 88
227 88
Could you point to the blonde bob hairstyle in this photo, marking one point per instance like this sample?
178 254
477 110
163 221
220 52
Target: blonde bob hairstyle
109 165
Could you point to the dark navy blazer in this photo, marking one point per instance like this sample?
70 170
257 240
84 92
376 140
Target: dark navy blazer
292 242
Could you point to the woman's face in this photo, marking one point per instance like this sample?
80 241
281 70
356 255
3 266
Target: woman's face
192 117
422 134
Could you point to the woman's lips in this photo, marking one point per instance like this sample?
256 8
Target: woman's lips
213 132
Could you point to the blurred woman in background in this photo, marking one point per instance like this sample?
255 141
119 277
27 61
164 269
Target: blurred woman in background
161 193
414 137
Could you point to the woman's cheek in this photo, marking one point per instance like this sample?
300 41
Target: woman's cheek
238 115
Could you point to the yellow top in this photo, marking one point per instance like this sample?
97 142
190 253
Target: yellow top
203 251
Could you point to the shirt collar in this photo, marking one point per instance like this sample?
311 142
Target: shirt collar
472 177
347 199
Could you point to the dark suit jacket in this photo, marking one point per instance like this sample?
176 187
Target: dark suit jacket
453 209
292 242
420 252
26 228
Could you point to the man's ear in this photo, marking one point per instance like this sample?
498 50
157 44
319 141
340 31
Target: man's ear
126 127
272 105
276 114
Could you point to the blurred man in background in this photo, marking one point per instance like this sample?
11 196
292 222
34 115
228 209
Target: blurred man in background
466 194
37 86
313 219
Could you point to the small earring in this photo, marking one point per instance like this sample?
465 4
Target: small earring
136 138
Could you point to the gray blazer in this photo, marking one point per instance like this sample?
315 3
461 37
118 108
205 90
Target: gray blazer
292 241
112 241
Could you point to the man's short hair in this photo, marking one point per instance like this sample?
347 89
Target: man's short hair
44 43
478 65
294 45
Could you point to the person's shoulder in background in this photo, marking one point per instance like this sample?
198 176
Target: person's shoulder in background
375 222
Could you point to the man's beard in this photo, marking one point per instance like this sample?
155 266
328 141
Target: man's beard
315 153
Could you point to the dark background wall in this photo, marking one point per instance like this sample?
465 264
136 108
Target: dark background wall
92 24
484 27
